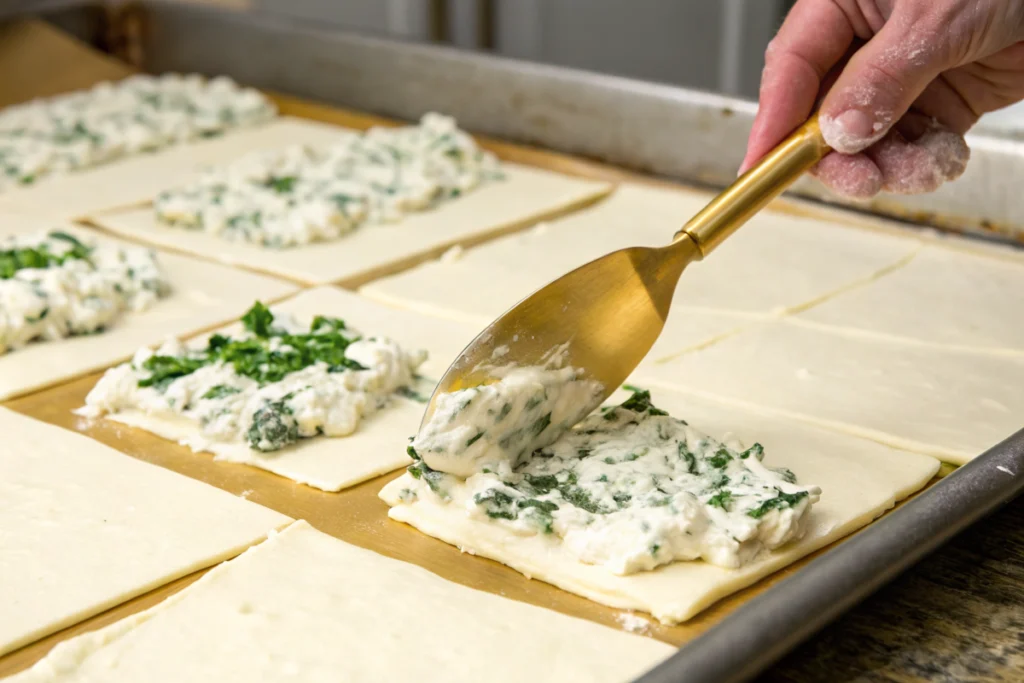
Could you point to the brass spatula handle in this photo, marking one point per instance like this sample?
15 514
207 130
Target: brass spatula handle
754 189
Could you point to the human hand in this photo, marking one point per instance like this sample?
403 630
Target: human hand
905 80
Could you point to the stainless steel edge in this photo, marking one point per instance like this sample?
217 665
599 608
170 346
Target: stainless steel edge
764 629
659 129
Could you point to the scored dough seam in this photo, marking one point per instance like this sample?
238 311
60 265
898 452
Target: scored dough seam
789 313
878 436
874 335
68 654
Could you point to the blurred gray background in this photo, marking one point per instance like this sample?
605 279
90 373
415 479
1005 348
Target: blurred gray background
715 45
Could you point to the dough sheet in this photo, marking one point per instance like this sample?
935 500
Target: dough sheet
306 606
943 297
859 480
84 528
947 403
203 295
378 446
136 180
526 195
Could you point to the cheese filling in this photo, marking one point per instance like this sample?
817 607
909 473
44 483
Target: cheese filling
630 488
278 382
499 425
52 285
114 120
300 195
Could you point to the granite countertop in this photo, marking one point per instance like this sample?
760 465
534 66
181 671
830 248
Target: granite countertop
956 616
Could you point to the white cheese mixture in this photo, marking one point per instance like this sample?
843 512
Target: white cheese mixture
113 120
52 285
499 425
630 489
278 382
301 195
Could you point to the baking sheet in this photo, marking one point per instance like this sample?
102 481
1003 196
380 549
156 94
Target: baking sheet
358 516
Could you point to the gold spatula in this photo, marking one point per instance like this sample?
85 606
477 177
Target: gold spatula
611 311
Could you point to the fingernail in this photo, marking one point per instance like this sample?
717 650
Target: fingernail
850 132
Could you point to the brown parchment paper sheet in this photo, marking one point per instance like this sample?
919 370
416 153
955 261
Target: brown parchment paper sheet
50 62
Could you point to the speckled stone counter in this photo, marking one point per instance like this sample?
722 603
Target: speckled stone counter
956 616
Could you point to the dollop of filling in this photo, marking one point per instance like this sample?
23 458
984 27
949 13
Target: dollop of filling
500 424
276 383
53 285
113 120
630 488
300 195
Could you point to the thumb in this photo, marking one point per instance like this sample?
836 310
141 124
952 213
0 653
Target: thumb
879 84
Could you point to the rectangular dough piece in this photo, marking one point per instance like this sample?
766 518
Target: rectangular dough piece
942 297
305 606
203 294
378 446
84 528
950 404
136 180
775 264
525 196
859 480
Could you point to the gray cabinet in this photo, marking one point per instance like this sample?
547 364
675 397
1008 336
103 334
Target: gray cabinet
715 45
412 19
708 44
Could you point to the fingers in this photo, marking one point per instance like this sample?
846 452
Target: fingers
795 63
854 176
917 156
881 81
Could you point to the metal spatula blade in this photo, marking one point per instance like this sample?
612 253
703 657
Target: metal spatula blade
609 312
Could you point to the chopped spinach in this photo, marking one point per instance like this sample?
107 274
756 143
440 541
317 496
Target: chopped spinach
40 256
780 502
541 424
640 402
273 427
220 391
757 450
720 459
497 504
421 470
722 499
786 474
268 356
690 458
282 184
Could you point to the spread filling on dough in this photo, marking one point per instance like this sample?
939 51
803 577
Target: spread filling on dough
114 120
495 427
278 382
53 285
300 195
630 488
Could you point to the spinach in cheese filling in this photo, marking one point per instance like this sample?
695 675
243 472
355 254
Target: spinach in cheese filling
632 488
53 285
498 425
276 383
114 120
301 195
